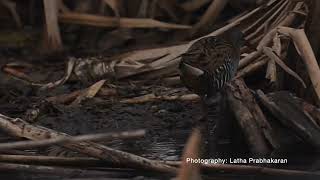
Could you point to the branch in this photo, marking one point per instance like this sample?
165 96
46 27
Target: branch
210 15
245 108
103 21
72 139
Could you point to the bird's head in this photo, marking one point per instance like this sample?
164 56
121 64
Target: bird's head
236 37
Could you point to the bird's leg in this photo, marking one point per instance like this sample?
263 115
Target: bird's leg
211 106
204 110
213 102
213 110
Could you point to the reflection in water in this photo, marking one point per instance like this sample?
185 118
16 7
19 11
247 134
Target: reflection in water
165 146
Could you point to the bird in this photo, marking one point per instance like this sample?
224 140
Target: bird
211 62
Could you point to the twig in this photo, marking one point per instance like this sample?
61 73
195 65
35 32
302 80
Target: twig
263 18
69 97
89 92
303 46
114 5
64 98
92 162
287 21
153 97
266 24
247 169
283 14
170 55
20 128
291 17
193 5
251 68
54 160
171 81
210 15
17 74
189 171
234 23
268 51
73 139
271 73
8 167
103 21
249 58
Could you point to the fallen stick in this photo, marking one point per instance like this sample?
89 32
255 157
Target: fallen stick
249 58
16 152
72 139
153 97
187 170
293 118
251 68
247 98
271 73
92 162
210 15
193 5
262 19
248 169
242 104
54 160
89 92
292 15
103 21
171 81
17 168
64 98
266 23
20 128
69 97
16 73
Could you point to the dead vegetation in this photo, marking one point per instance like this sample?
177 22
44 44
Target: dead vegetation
136 45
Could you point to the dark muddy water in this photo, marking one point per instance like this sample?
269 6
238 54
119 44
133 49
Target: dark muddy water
168 125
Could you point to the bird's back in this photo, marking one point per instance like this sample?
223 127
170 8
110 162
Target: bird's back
217 57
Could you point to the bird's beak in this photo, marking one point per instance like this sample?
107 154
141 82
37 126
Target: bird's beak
191 70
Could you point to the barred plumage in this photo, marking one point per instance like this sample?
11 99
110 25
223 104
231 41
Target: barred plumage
211 62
